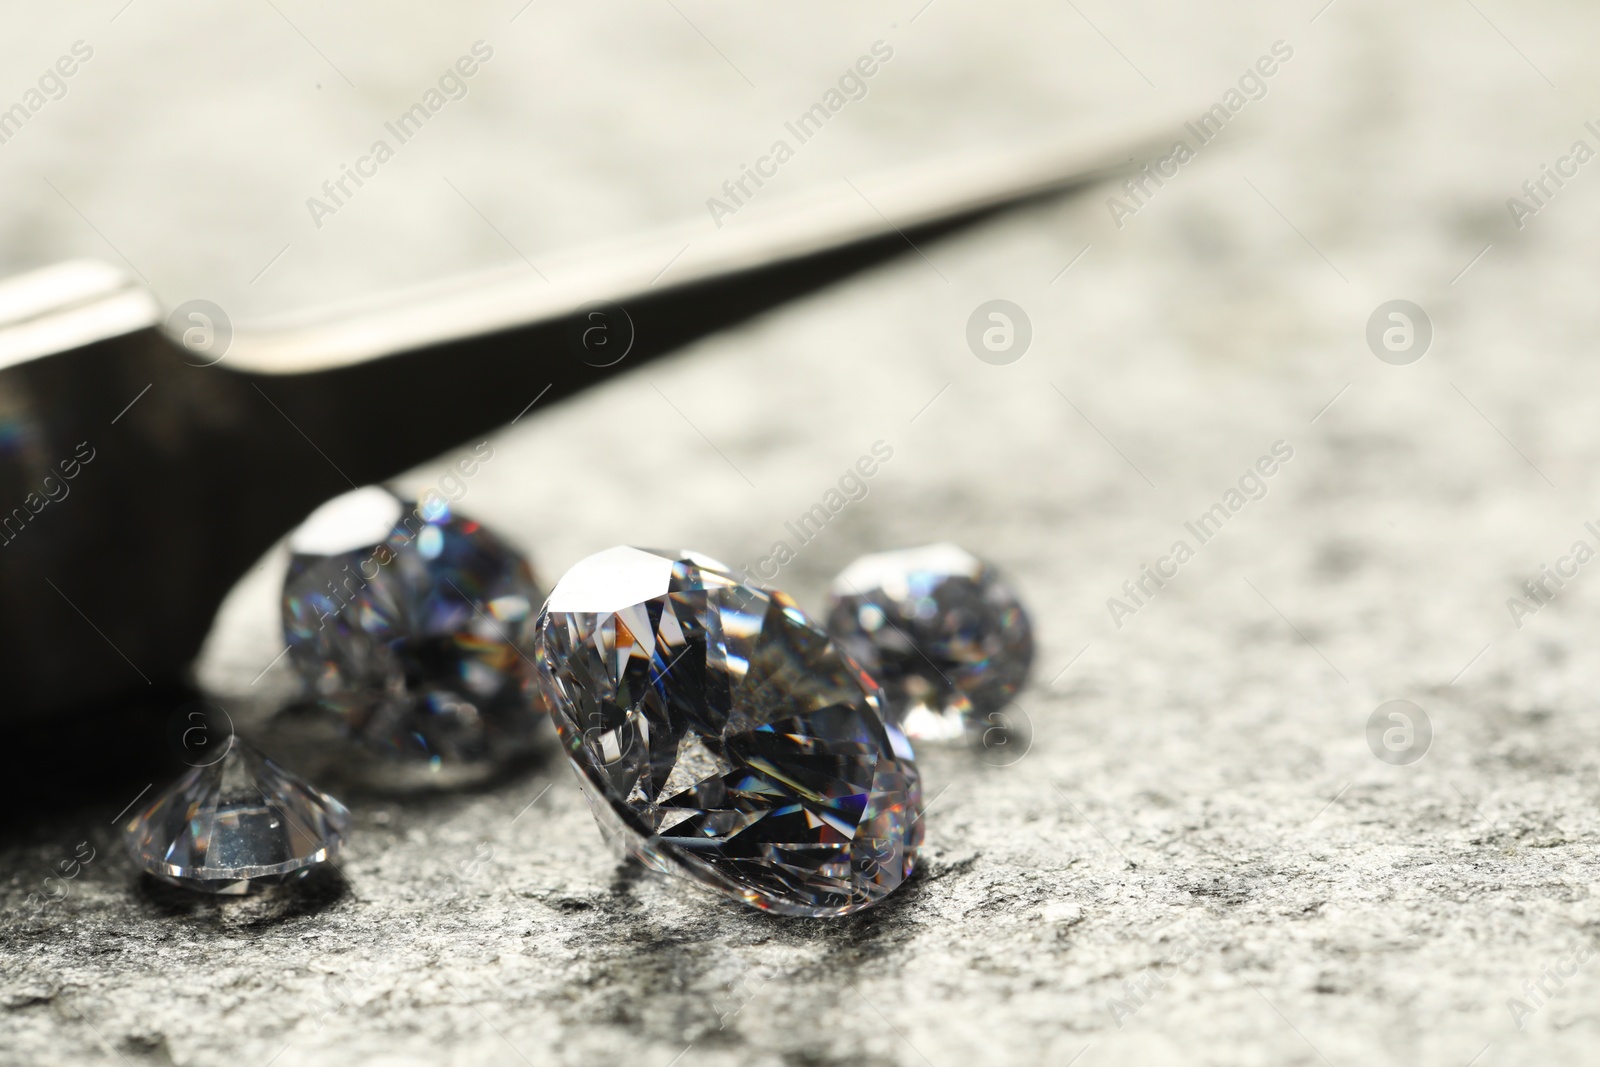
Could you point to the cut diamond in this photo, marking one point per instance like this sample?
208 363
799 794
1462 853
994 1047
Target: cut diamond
410 622
236 825
718 733
944 636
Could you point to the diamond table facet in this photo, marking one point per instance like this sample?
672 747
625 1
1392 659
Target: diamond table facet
945 637
236 825
412 623
718 733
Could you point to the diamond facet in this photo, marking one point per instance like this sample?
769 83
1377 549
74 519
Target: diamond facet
944 636
721 734
410 622
236 825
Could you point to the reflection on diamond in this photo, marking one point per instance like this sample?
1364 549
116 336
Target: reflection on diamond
236 825
718 733
944 636
411 623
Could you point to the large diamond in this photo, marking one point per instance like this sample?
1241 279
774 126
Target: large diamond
235 825
939 630
723 736
412 622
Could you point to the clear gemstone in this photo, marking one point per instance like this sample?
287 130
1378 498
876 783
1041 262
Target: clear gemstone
944 636
720 734
236 825
411 622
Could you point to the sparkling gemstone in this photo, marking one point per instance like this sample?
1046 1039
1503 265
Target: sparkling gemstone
939 630
718 733
413 623
235 825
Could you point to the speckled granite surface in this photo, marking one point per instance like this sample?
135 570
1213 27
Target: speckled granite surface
1200 860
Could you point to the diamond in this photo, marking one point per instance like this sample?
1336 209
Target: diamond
409 621
719 734
236 825
944 636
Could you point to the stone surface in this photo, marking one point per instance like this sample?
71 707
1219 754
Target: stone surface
1200 816
719 734
947 639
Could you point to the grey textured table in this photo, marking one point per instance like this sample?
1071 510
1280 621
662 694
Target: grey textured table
1200 860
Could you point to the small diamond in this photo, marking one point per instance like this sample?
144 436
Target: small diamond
236 825
410 622
939 630
719 734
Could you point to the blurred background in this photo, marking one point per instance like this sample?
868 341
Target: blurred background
1200 859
